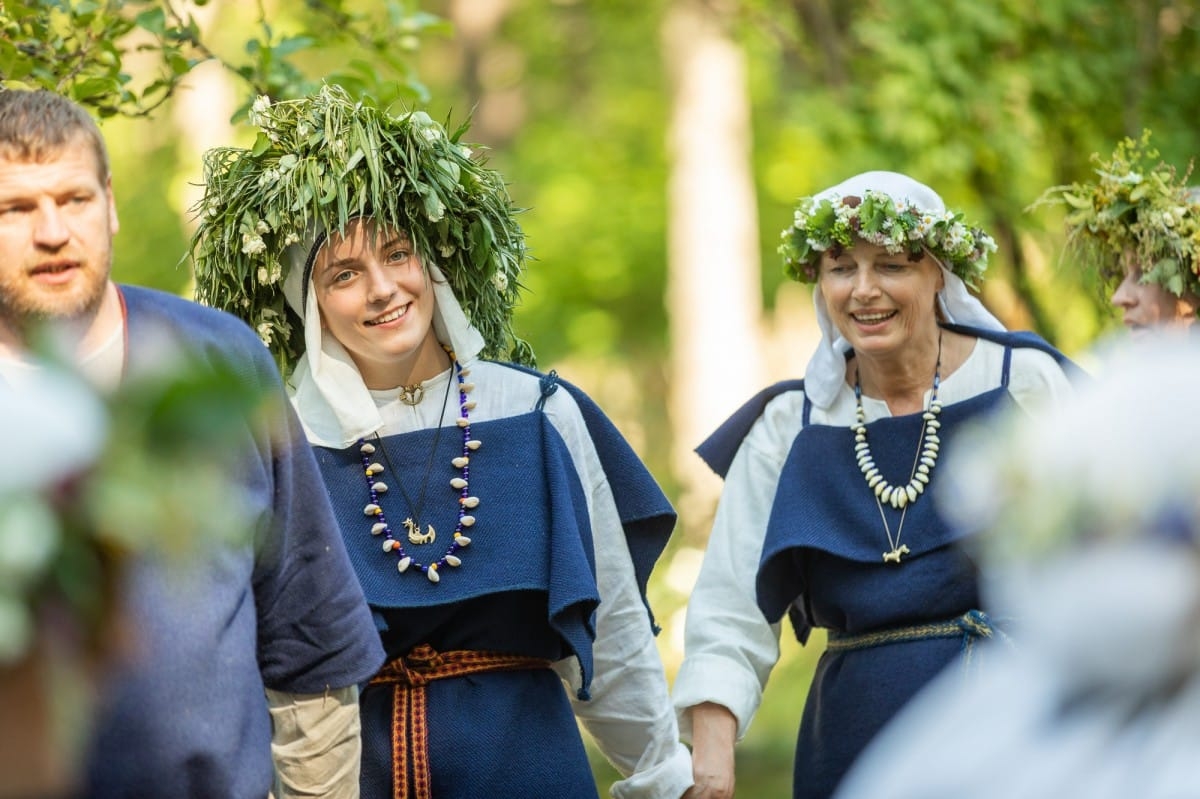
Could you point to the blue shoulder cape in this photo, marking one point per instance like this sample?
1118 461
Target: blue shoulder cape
644 510
719 449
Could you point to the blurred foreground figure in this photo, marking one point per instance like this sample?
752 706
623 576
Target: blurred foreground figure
1093 549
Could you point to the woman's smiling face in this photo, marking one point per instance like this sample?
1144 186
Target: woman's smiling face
879 301
376 299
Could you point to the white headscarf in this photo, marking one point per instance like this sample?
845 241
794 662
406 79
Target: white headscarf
333 403
827 368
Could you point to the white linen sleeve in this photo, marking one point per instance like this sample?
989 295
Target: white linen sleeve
729 647
1036 381
315 743
629 713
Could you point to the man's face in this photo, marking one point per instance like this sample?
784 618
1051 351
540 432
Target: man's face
57 220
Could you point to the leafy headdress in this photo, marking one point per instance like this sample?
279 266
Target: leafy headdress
322 161
1138 207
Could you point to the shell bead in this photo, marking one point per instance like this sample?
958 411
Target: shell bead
371 510
460 462
453 560
458 482
469 502
432 573
901 496
404 563
379 488
467 521
367 448
378 527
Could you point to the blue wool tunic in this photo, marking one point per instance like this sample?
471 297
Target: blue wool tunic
526 586
822 564
184 712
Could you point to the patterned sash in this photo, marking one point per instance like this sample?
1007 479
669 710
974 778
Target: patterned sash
409 675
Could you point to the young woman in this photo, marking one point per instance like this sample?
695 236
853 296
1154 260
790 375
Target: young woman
501 528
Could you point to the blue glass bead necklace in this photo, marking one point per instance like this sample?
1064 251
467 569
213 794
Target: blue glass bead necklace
460 483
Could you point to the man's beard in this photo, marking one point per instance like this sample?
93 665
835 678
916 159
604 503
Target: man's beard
23 310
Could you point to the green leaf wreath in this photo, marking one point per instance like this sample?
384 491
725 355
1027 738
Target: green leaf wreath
891 223
323 160
1138 207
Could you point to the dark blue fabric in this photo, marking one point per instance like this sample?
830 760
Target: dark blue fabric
532 531
496 734
719 449
821 563
186 716
644 510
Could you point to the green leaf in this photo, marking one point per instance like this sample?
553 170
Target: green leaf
261 144
153 20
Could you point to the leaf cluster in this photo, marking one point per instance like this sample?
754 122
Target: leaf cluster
79 48
1137 208
83 49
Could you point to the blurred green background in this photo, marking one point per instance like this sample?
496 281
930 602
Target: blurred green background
595 109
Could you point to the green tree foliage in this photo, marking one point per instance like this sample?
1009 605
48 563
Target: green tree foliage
988 102
125 59
81 48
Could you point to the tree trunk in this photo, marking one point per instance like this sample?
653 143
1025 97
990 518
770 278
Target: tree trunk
714 295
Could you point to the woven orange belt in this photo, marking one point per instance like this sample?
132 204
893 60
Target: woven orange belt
409 675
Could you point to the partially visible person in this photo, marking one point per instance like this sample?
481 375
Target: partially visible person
57 413
501 527
825 514
242 678
1090 541
1138 226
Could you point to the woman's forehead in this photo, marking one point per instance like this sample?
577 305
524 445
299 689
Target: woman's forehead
361 234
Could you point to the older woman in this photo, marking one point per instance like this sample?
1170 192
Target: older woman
825 513
501 528
1138 226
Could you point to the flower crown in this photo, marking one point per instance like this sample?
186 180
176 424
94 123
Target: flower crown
896 225
1137 207
320 162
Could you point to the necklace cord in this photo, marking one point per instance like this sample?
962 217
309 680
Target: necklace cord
420 505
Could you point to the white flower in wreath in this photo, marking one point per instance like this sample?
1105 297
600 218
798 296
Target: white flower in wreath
500 281
259 109
265 332
252 244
